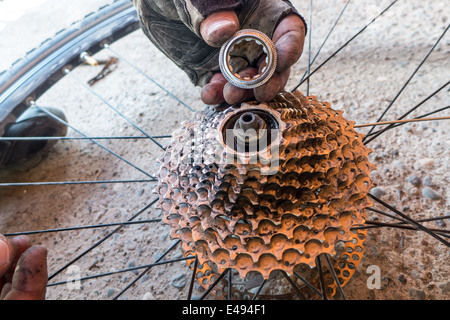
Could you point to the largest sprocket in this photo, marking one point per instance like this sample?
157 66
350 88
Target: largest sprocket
274 207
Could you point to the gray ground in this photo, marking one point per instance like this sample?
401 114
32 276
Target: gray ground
413 160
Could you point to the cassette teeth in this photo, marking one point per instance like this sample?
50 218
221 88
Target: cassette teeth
247 214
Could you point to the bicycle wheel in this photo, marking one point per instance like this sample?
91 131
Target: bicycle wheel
122 250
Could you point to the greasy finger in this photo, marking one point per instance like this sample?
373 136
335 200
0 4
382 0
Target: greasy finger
30 277
20 244
289 38
269 90
218 27
234 95
212 93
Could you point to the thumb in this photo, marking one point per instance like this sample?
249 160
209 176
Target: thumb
218 27
30 277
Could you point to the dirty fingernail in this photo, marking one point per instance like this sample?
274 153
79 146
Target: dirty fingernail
220 31
219 27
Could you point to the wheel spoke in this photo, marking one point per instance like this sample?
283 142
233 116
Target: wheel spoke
410 78
411 221
212 286
321 280
146 270
79 138
335 276
309 284
344 45
259 289
94 226
325 40
107 46
376 224
59 183
402 221
162 263
412 109
78 257
387 214
94 141
308 70
69 73
297 290
230 284
401 121
399 124
194 275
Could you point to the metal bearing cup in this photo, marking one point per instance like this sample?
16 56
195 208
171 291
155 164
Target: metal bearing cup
249 45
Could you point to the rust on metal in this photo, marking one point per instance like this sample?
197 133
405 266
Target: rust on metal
276 208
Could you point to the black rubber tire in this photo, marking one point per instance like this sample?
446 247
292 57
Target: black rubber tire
41 68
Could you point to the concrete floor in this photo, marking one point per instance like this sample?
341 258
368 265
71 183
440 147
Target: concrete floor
361 80
25 24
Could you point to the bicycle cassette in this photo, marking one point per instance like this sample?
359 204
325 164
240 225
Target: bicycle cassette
272 199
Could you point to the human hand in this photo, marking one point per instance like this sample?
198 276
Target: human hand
191 32
23 269
288 38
